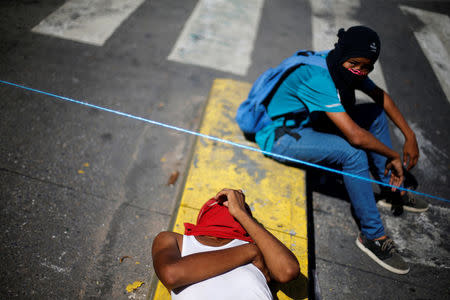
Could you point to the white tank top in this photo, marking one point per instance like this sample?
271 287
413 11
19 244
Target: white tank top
246 282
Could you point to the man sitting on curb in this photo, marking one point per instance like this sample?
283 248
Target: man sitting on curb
305 109
227 255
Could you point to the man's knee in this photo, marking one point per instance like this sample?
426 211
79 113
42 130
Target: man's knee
356 161
380 116
370 115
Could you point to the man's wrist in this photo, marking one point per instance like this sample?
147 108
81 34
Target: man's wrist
241 214
252 250
409 135
394 155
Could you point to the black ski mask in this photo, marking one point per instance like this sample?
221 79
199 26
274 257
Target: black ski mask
357 41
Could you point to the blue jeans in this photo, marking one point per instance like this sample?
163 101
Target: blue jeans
331 149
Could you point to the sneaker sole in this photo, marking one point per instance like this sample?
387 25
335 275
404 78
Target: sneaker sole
383 203
379 261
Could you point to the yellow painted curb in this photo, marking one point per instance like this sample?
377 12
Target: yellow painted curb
275 192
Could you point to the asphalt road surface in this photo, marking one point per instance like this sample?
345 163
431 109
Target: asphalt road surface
83 192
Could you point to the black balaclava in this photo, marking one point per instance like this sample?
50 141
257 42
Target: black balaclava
357 41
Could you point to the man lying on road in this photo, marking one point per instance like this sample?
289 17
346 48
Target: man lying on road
226 255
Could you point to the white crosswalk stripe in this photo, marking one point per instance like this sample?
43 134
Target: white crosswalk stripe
219 34
434 39
87 21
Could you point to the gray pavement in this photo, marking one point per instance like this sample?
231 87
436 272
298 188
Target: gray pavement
81 188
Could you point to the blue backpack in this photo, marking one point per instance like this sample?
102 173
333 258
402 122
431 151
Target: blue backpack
252 114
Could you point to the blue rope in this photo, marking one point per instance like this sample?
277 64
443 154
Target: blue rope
223 141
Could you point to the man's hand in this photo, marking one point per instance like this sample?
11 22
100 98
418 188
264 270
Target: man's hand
410 153
234 200
395 166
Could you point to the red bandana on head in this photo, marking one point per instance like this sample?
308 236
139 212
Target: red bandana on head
215 220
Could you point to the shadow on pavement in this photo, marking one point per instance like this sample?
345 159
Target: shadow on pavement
296 289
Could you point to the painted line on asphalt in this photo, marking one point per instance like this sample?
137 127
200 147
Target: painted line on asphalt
434 39
423 236
87 21
219 34
276 193
431 156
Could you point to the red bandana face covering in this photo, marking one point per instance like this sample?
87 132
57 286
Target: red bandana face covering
215 220
358 72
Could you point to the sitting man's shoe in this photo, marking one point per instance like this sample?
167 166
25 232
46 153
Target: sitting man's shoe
408 202
384 253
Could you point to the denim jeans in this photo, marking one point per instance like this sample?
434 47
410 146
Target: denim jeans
330 149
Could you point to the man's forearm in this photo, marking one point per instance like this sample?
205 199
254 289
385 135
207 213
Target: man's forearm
396 116
368 142
359 137
200 266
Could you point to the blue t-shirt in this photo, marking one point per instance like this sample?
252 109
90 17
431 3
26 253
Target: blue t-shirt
308 88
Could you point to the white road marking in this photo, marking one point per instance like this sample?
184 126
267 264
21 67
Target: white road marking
56 268
419 238
434 39
431 156
219 34
327 18
87 21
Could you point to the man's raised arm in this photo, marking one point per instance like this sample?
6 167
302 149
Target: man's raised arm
410 147
282 264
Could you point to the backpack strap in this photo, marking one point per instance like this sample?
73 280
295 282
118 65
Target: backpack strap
297 116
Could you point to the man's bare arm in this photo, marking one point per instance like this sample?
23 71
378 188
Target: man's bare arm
361 138
410 147
280 261
175 271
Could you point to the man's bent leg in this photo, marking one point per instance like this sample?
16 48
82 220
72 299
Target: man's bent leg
372 117
332 150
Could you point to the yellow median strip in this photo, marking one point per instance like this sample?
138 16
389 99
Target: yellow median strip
275 192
